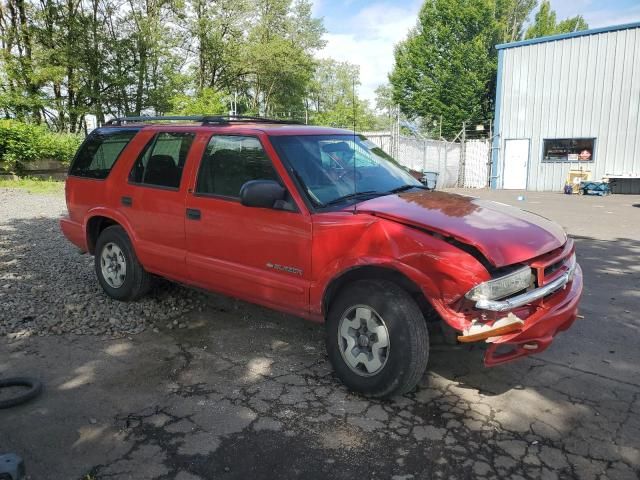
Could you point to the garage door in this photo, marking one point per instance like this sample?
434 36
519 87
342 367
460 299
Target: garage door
516 161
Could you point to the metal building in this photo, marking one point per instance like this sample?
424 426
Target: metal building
565 103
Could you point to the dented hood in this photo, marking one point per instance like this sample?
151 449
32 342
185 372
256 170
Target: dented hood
503 234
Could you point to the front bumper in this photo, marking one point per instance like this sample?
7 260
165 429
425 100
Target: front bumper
554 314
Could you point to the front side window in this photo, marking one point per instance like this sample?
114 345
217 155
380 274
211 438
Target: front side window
162 160
341 168
99 152
229 162
568 150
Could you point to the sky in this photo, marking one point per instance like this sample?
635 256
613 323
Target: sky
364 32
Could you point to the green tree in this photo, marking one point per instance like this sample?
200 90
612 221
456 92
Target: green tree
384 98
206 101
278 56
447 64
63 59
333 99
21 93
217 28
546 23
511 16
333 82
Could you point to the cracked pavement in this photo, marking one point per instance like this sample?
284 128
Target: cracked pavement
244 392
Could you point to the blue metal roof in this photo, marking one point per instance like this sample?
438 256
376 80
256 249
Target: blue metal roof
564 36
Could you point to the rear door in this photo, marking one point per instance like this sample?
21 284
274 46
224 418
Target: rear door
258 254
154 202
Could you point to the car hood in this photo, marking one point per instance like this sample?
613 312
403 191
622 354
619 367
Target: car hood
503 234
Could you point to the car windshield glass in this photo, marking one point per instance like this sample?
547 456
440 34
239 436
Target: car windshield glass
336 169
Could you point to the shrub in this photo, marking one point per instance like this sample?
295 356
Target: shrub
22 143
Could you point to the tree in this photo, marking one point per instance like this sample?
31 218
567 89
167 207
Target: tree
447 64
511 16
333 99
206 101
278 56
333 82
63 59
21 93
384 98
217 29
545 23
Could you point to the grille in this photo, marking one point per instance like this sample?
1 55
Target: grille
553 264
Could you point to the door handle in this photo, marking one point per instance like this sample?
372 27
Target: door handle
126 201
193 214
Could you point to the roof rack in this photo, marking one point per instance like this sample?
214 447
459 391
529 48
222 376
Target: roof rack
204 119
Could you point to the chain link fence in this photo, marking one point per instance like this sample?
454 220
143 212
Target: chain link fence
457 163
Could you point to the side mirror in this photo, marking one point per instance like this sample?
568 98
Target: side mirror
262 193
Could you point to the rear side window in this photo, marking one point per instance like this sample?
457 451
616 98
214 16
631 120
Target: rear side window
162 160
231 161
98 154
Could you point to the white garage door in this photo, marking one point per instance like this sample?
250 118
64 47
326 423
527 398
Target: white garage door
516 161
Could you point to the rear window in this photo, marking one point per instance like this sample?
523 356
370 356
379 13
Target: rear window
98 154
162 160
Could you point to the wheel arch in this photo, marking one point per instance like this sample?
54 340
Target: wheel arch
95 226
97 222
376 272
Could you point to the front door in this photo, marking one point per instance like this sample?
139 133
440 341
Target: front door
258 254
516 163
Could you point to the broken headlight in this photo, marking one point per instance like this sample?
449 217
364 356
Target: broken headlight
502 286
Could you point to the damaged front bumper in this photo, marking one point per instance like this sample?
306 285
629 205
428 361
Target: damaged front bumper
528 297
533 319
553 314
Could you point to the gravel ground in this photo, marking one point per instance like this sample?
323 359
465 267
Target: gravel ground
47 287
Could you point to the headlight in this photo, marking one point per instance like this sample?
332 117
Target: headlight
502 286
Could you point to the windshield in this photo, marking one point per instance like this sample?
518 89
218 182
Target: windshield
340 168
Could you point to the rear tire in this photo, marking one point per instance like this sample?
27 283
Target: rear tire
376 366
119 272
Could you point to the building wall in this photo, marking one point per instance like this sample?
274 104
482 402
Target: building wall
578 87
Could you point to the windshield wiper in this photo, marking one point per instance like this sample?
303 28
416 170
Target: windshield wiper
404 188
350 196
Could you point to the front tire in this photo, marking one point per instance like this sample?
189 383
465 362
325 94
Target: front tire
377 339
119 272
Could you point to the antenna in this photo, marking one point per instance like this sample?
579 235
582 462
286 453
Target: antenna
355 186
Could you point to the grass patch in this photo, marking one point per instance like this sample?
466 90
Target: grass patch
34 185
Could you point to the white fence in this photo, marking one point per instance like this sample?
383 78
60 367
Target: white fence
476 163
439 156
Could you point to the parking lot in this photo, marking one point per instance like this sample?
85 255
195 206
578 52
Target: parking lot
189 385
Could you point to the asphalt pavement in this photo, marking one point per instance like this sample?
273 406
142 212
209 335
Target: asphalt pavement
241 392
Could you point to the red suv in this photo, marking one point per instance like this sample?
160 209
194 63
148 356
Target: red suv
320 223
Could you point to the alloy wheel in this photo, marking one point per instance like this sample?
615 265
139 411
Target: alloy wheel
363 340
113 265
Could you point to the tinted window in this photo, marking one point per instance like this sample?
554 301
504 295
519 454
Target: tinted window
99 153
231 161
162 160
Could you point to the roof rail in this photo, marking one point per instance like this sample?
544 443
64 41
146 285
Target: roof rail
204 119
